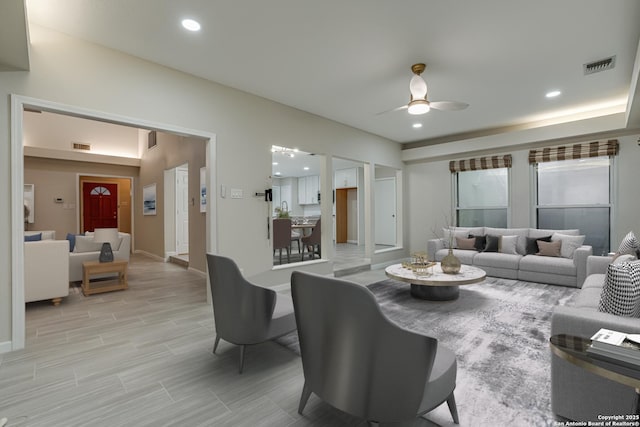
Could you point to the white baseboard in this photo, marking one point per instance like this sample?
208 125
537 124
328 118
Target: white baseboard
6 347
353 242
201 273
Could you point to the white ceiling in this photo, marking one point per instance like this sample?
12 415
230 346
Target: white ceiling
349 60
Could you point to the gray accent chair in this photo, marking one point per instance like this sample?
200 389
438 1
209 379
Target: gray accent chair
312 242
360 362
245 313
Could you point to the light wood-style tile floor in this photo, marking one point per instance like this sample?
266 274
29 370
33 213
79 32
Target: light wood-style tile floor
142 357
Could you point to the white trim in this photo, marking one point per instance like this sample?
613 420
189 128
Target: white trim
198 272
18 102
150 255
17 223
5 347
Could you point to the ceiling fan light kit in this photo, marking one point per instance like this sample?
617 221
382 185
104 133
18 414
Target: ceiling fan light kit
418 106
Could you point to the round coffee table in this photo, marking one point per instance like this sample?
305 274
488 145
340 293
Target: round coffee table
436 286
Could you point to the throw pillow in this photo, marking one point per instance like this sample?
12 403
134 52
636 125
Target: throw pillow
86 244
621 291
623 258
532 244
72 241
569 243
492 244
33 238
507 245
481 242
629 244
549 248
466 244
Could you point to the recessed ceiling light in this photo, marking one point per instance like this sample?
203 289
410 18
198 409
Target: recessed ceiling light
275 163
277 173
191 24
553 94
417 125
306 168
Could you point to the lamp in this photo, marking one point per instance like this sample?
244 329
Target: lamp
105 236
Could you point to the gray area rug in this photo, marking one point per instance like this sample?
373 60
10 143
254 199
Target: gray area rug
499 331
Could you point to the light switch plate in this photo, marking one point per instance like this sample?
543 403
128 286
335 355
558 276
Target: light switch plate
236 193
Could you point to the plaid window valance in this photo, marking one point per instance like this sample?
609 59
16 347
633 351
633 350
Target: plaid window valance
492 162
575 151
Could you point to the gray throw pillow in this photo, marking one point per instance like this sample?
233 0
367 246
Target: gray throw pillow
492 244
621 291
569 243
86 244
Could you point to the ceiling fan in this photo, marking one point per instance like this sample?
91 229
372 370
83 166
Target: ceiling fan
419 103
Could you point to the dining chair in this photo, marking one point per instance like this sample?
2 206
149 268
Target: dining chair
360 362
282 236
312 241
245 313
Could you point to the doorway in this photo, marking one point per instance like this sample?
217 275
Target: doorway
182 210
105 202
385 211
347 215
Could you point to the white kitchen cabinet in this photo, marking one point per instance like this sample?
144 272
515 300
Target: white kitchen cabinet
308 189
346 178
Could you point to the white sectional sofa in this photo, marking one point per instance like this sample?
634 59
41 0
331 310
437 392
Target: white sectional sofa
86 252
520 266
46 268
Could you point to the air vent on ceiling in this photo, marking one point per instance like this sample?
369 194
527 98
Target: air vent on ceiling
80 146
600 65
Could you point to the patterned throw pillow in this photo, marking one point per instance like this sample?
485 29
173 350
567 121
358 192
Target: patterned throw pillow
629 244
621 292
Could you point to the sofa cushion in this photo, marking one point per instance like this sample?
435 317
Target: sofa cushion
532 244
540 232
466 243
86 244
33 237
507 245
458 232
621 292
522 234
493 242
550 265
551 249
569 243
497 260
465 257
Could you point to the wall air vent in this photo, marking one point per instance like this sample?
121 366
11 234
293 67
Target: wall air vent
80 146
600 65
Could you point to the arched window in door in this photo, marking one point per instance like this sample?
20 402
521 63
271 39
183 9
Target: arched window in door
100 191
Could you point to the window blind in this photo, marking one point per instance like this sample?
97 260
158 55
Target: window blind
575 151
479 163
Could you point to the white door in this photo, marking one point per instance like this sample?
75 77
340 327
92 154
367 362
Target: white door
385 211
182 211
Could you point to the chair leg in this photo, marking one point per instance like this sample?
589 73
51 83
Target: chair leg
215 344
242 347
288 258
306 392
451 402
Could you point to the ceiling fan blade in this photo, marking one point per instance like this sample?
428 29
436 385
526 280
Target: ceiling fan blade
448 105
402 107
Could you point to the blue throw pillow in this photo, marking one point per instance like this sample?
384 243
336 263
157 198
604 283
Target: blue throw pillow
72 241
33 238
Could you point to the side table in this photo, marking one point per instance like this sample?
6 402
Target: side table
574 350
96 267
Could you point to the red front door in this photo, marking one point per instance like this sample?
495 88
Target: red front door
100 205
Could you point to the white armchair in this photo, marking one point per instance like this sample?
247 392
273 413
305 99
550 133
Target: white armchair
46 270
